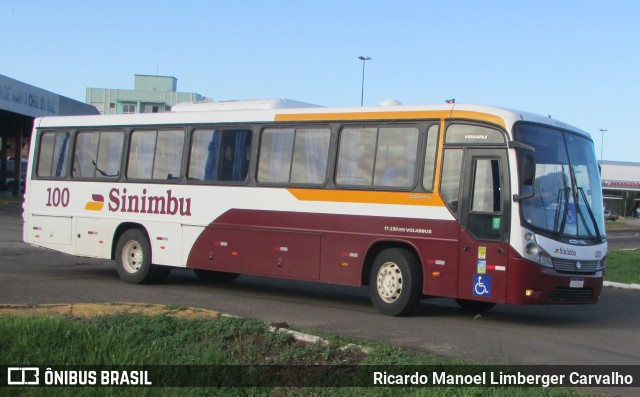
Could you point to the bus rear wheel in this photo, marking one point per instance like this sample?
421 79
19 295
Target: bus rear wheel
133 259
395 282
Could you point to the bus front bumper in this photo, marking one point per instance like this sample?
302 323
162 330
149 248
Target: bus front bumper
534 284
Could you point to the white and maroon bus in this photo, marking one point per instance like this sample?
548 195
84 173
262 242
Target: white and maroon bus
481 204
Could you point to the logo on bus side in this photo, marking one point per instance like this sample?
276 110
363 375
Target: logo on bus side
123 201
96 204
564 251
476 136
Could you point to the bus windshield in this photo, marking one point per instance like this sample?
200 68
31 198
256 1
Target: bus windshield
567 194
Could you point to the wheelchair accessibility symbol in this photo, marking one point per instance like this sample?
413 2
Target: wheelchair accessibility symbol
481 285
571 214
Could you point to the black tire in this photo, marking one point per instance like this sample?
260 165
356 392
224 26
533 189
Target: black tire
395 282
133 259
214 276
475 306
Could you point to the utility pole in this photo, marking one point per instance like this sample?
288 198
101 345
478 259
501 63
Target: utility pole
364 60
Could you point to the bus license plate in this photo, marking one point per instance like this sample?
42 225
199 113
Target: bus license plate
576 283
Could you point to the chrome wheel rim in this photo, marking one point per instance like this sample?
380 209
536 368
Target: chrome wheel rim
389 282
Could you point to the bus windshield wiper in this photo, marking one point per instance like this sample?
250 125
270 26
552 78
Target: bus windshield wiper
591 215
563 193
579 189
562 202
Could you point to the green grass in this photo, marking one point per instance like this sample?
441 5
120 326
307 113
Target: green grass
151 340
623 266
619 224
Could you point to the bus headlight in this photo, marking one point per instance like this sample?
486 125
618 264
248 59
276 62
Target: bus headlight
537 254
532 249
602 264
545 259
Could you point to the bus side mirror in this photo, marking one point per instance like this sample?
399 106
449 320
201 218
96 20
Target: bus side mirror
526 172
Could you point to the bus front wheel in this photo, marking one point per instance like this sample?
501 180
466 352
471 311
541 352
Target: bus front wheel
133 259
395 282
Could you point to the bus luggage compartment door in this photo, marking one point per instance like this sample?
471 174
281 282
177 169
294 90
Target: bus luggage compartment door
287 254
89 241
50 229
284 254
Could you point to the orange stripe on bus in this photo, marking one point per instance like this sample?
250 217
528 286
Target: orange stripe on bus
369 197
416 114
467 114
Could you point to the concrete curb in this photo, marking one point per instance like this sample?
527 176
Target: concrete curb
613 284
305 338
82 310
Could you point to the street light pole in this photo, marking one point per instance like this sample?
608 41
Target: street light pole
364 60
602 131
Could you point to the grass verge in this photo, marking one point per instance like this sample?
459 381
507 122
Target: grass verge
135 339
623 266
619 224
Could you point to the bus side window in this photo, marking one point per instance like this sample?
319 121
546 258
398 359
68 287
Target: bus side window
356 156
109 157
141 153
219 155
204 153
382 157
450 184
276 152
297 156
310 156
234 162
168 154
396 157
486 186
486 199
98 154
155 154
430 157
53 154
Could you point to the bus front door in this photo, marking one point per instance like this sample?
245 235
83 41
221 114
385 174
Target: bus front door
484 219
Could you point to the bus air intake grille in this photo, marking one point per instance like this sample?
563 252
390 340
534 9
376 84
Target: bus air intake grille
576 267
564 294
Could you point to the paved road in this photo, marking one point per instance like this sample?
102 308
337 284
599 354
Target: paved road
606 333
624 241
